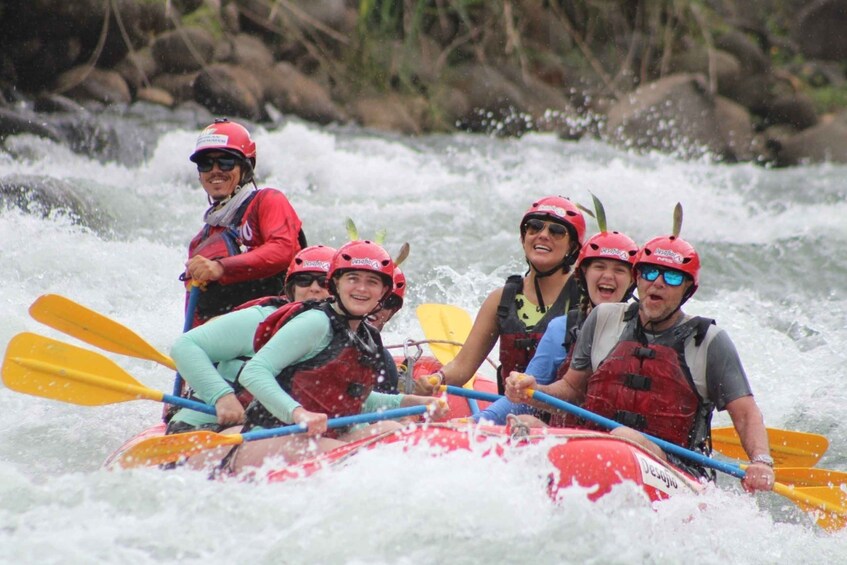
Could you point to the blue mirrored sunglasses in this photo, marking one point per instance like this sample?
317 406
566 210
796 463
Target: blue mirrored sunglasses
650 273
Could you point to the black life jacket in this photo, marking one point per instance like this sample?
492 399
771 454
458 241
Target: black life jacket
517 342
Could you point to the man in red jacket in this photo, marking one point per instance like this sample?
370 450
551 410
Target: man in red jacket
250 235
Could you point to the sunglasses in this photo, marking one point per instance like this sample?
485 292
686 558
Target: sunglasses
534 226
305 280
225 163
672 276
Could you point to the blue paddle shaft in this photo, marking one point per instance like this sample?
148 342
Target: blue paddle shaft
665 445
190 404
193 299
342 422
730 469
475 394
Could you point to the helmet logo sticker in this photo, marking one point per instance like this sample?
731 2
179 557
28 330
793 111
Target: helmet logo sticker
669 254
615 252
556 210
211 139
322 265
365 262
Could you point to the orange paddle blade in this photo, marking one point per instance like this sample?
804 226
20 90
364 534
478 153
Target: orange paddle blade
169 449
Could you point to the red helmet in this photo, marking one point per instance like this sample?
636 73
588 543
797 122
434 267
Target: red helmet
313 259
226 136
673 252
362 255
394 301
560 209
608 245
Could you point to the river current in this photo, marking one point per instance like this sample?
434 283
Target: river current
774 268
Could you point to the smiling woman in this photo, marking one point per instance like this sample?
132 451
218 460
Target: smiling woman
551 231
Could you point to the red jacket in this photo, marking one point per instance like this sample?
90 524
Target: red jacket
255 252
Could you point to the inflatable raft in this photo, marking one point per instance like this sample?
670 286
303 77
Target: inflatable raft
594 460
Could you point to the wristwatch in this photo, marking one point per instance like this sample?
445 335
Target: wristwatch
764 459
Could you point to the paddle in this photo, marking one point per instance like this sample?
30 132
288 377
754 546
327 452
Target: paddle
788 448
446 328
44 367
93 328
797 476
167 449
190 310
830 500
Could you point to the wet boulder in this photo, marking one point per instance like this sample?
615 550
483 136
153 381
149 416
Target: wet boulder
183 50
819 30
17 122
825 142
295 93
675 114
47 197
90 83
228 90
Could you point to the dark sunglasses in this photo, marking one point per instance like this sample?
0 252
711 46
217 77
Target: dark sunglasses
225 163
650 273
534 226
305 280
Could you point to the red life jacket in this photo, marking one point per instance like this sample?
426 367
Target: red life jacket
336 381
517 342
217 242
649 387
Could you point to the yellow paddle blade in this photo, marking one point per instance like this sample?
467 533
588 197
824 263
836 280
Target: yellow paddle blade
810 477
828 505
94 328
48 368
788 448
168 449
444 323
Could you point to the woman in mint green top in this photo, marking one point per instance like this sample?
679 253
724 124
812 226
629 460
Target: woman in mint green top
210 356
321 363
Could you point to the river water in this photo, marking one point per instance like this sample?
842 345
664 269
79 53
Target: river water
774 266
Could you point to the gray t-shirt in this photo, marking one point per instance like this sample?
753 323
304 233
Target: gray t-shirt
715 366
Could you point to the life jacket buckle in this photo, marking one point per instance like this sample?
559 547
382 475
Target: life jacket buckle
356 390
630 419
644 353
637 382
525 343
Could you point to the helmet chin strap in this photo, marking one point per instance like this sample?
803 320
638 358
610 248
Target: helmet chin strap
562 265
345 311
